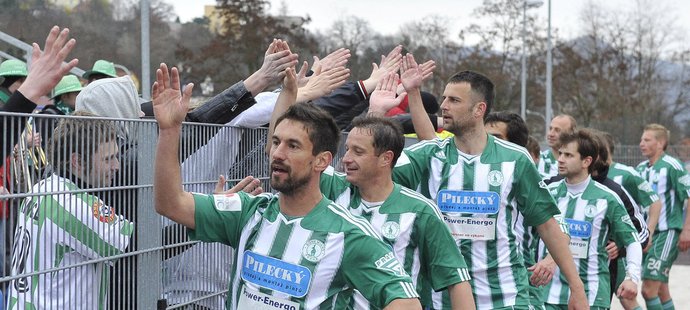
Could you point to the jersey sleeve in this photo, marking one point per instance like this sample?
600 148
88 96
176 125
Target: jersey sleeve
532 195
218 218
86 224
682 187
333 184
441 256
622 229
410 168
370 266
640 190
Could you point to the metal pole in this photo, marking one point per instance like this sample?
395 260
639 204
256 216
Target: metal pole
523 75
145 50
549 63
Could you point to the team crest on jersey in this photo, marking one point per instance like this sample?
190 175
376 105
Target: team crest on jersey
313 250
102 212
590 210
390 230
495 178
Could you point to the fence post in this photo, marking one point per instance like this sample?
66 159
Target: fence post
149 233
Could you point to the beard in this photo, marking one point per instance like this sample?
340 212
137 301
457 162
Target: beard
290 184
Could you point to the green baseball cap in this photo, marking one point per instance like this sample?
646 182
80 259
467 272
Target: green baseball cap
68 84
13 67
101 67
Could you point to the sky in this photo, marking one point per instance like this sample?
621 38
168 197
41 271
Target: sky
386 16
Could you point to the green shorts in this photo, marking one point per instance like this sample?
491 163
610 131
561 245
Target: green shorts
565 307
664 250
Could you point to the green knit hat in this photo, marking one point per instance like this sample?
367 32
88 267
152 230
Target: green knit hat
101 67
68 84
13 67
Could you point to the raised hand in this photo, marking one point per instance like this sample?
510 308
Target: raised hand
427 69
338 58
47 66
411 74
389 63
323 83
384 97
277 57
169 106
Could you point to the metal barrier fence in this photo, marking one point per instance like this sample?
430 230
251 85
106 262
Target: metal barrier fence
66 252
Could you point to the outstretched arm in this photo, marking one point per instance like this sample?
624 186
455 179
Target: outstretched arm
170 108
286 99
411 77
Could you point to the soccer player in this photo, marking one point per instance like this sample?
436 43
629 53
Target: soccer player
645 197
668 178
295 249
592 212
63 225
482 184
548 164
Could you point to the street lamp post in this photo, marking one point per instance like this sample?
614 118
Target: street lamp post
548 113
523 76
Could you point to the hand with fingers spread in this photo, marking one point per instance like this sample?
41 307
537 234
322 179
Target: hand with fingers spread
389 63
277 57
302 78
47 66
384 98
338 58
411 74
249 185
427 69
323 83
169 106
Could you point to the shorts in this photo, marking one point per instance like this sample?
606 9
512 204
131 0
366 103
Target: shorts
657 262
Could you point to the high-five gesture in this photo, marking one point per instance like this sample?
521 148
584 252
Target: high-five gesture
411 74
383 98
47 66
169 104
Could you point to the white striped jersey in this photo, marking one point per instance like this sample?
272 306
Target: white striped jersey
638 188
594 216
310 262
548 165
58 231
414 228
671 182
480 198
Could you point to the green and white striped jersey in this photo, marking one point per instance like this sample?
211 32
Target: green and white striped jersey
310 262
480 198
58 231
638 188
548 165
671 182
414 228
594 215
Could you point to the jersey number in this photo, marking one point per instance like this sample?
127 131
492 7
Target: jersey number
654 264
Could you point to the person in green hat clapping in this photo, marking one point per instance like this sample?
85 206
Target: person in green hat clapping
65 93
12 75
101 69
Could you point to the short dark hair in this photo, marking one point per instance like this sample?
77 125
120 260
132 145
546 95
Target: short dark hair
532 146
321 128
601 163
81 136
587 144
610 141
481 86
517 129
388 135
